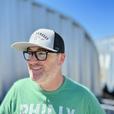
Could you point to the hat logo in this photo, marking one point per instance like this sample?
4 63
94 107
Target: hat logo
41 36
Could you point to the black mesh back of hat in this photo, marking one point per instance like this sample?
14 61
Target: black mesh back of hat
59 43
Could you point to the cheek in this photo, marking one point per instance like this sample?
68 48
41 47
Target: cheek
52 67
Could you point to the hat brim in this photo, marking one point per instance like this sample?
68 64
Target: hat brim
22 46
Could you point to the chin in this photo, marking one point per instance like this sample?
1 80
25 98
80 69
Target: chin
37 78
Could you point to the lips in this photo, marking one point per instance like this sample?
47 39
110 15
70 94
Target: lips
35 68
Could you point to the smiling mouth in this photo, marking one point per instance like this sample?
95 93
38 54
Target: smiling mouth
36 68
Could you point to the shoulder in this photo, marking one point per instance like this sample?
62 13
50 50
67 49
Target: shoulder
86 97
82 92
79 89
75 85
22 83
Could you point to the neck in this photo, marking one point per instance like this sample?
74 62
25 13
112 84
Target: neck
53 84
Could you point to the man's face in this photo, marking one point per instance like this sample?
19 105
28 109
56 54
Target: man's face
44 71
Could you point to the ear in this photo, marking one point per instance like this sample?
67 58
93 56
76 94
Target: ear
61 58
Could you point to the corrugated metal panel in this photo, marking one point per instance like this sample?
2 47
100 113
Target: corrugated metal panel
106 52
21 17
38 16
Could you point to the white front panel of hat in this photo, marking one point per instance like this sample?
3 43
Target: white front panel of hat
43 38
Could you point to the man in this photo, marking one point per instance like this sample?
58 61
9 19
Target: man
47 91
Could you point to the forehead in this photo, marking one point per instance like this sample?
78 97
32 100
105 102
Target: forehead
35 48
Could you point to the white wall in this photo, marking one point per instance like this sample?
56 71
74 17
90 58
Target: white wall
106 58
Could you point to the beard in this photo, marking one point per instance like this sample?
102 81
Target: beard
42 75
36 74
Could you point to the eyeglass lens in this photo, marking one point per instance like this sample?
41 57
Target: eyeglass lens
40 55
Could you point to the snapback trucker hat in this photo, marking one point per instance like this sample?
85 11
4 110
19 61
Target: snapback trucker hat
44 38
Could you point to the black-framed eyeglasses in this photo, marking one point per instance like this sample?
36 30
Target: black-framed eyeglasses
40 55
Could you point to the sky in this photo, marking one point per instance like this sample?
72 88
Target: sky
96 16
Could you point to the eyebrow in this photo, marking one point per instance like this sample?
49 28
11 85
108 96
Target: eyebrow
40 49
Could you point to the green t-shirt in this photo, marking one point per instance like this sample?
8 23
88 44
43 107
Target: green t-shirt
26 97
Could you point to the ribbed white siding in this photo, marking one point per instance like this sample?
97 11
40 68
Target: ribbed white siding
106 57
19 18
